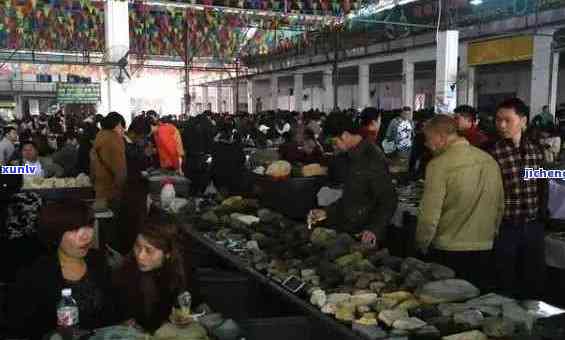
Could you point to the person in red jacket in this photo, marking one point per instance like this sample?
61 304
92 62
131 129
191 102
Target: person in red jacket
468 126
169 145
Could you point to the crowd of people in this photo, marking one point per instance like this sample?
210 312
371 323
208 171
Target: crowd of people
477 211
478 214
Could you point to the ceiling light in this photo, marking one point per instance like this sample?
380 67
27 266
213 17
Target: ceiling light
476 2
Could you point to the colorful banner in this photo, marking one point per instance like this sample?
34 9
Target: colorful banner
62 25
313 7
374 27
78 25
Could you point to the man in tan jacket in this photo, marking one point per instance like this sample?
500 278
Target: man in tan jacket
462 205
108 171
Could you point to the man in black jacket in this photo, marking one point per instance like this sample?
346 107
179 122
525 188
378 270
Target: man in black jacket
369 199
198 140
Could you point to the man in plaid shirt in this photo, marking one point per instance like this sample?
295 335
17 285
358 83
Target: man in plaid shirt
519 246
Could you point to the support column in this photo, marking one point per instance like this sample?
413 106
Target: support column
328 100
298 91
541 72
19 112
446 71
471 76
205 98
466 76
408 83
220 98
363 86
554 83
234 92
274 92
250 96
116 22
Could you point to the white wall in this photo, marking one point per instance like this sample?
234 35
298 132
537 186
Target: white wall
262 90
161 92
516 80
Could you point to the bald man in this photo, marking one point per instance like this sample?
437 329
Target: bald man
462 205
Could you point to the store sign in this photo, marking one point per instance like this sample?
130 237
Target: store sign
68 93
503 50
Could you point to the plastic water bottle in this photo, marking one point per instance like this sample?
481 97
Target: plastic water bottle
185 302
67 312
168 194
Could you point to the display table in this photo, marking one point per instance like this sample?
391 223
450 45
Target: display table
337 328
58 194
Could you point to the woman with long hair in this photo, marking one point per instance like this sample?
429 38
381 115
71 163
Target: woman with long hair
31 306
152 277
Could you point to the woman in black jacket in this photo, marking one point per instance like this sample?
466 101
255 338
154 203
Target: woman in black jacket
31 308
151 279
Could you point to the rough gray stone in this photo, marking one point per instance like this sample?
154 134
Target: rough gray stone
408 324
364 299
211 321
307 273
268 216
210 217
399 334
392 262
472 335
490 299
383 304
388 274
451 290
252 245
426 312
329 308
363 282
498 327
337 298
318 298
388 317
377 286
490 310
471 318
371 332
363 309
246 220
518 315
341 247
428 331
377 257
323 237
440 272
411 263
414 279
448 309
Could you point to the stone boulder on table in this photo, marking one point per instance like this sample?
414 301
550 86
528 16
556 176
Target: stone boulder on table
451 290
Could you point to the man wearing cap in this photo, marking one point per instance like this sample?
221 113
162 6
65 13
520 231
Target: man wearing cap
468 126
369 199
